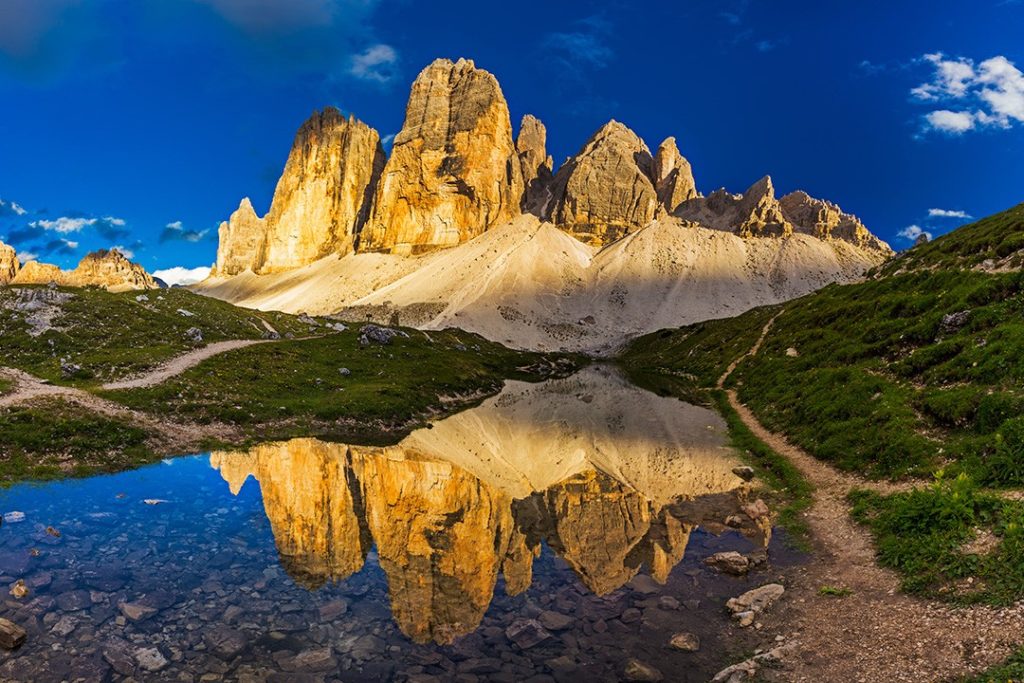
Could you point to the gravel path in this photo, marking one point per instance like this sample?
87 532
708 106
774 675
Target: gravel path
179 364
877 633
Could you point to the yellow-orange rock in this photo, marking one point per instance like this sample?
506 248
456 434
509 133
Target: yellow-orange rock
673 176
536 164
321 202
826 220
9 265
454 171
310 505
605 191
104 268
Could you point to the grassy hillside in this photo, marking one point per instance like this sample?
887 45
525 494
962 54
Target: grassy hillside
998 239
334 386
918 372
113 335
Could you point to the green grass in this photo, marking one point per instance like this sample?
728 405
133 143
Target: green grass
931 536
1012 671
114 335
296 388
56 439
999 238
879 386
5 386
834 592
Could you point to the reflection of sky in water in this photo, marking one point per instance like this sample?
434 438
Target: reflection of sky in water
340 554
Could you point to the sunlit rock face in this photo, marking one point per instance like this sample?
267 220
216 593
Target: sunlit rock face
574 464
104 268
9 265
322 200
606 190
454 170
443 537
672 176
310 499
536 164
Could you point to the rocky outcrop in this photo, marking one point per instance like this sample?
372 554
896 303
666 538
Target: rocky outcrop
536 165
9 265
322 200
454 171
825 220
672 176
104 268
605 191
755 213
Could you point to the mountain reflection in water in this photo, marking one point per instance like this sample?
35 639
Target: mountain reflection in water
611 477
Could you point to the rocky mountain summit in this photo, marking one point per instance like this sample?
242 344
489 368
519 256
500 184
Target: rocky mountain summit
455 171
105 268
468 225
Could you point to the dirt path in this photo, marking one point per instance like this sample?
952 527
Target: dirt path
179 364
877 633
170 435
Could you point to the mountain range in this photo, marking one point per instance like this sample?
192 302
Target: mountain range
464 225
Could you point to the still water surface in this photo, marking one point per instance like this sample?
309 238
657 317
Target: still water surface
549 534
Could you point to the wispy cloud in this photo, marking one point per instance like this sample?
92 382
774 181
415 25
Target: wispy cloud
912 232
8 208
377 63
125 251
26 256
948 213
582 49
179 275
64 224
177 231
989 94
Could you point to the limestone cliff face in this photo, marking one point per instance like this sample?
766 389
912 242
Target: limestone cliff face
605 191
454 171
308 497
443 537
536 165
825 220
9 265
321 202
105 268
755 213
672 176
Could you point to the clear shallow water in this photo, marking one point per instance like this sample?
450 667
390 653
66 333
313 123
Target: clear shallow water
550 534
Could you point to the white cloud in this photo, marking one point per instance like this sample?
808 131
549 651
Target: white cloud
178 231
9 207
376 63
912 232
70 244
125 251
26 256
176 225
64 225
989 94
387 139
952 122
179 275
947 213
119 222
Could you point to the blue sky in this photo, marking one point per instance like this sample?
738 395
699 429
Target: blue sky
142 123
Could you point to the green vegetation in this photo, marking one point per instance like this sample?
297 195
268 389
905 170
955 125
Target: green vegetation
5 386
892 377
917 372
835 592
998 238
114 335
1012 671
334 387
56 439
950 540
